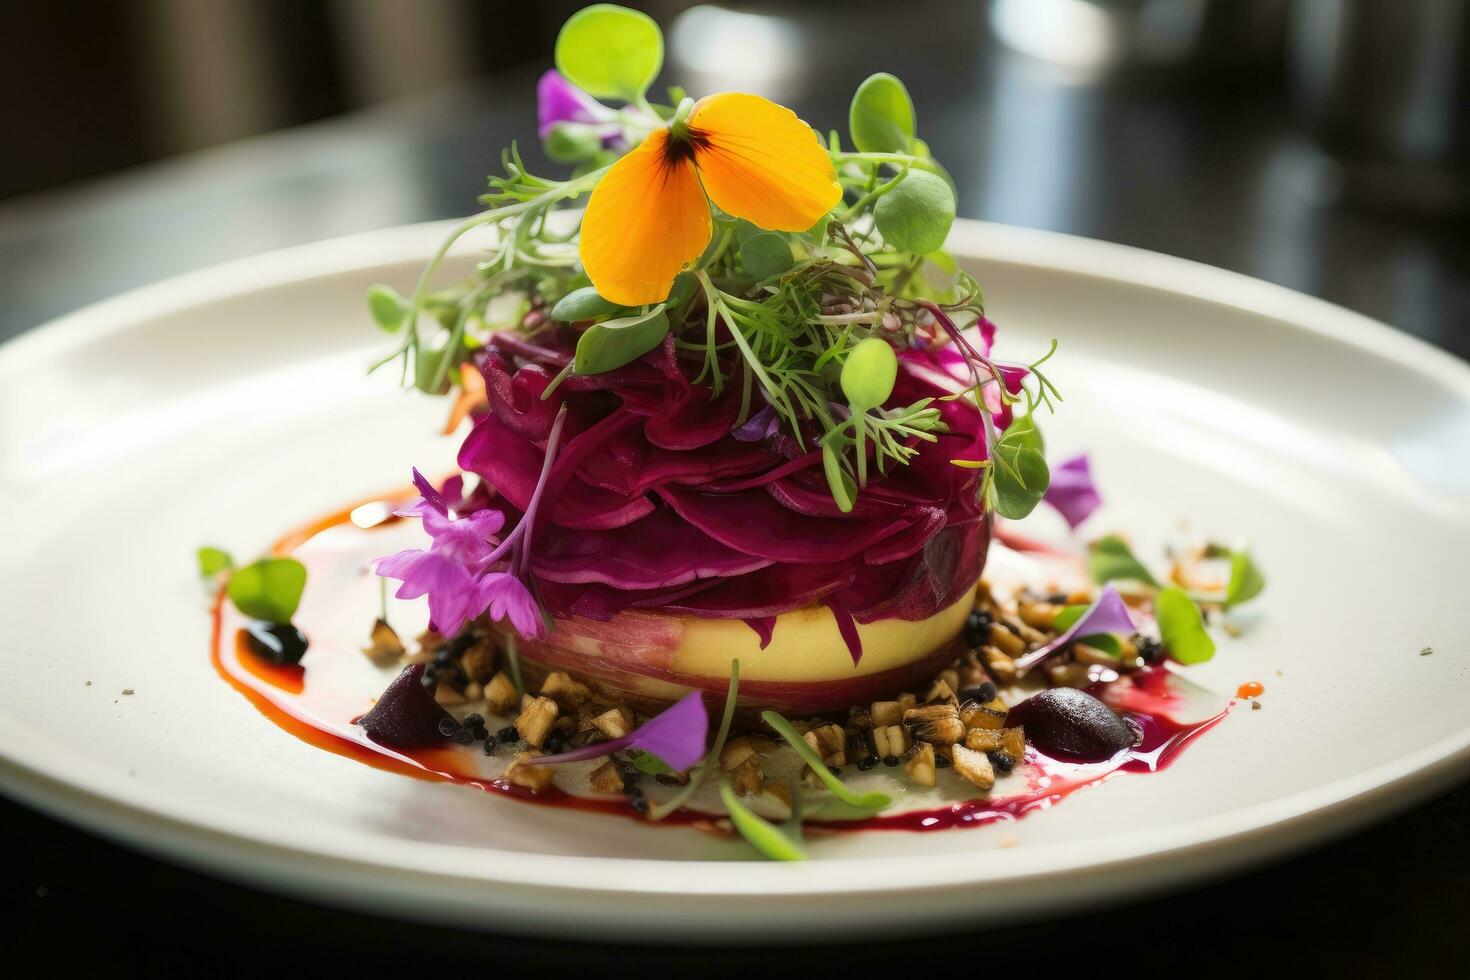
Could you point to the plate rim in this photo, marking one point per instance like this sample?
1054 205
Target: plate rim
197 836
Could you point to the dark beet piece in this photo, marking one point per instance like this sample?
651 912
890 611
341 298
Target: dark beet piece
406 715
1073 724
277 643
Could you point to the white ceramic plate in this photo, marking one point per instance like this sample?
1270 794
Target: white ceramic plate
229 405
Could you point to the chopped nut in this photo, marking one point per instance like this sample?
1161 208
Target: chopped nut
478 662
1002 667
429 642
1039 615
747 779
885 713
890 740
920 765
984 739
1068 675
607 778
1014 742
907 701
971 671
780 792
1005 641
447 693
859 720
535 720
1033 637
940 690
937 723
522 772
829 741
736 751
386 647
974 766
983 716
473 691
615 722
500 693
567 693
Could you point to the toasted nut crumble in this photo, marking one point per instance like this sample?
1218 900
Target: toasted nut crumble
830 742
941 690
478 662
1013 742
500 693
999 664
535 720
524 773
984 739
974 766
607 778
982 716
615 722
1038 615
884 713
1005 641
567 693
920 765
386 647
937 723
890 740
747 779
447 694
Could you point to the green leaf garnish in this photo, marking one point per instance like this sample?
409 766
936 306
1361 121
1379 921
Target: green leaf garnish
269 589
869 373
583 304
610 52
864 801
1246 580
762 836
610 344
766 254
1110 559
1019 475
842 486
881 117
651 764
1182 627
917 214
213 560
388 309
572 142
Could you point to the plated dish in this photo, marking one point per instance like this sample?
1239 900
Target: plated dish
734 459
231 405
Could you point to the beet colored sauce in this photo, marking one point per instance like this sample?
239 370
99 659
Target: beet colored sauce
314 703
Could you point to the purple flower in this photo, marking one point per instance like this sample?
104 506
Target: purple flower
676 736
1072 491
1108 614
559 101
508 598
448 571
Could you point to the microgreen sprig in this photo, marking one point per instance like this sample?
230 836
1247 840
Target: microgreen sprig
863 801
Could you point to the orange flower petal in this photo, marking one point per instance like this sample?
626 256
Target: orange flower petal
647 219
759 162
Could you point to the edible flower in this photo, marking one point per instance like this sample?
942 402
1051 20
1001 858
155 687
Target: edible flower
558 101
1108 614
649 215
1072 493
676 736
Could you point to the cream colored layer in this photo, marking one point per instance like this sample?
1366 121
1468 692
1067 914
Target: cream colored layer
807 647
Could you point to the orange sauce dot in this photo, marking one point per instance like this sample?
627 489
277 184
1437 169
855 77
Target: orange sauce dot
1250 689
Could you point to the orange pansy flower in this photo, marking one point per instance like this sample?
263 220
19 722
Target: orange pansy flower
649 215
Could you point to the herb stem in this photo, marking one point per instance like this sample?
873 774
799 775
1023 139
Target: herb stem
712 759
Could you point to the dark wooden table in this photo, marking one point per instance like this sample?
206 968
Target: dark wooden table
1214 170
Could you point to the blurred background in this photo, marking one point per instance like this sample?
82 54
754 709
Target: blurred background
1320 144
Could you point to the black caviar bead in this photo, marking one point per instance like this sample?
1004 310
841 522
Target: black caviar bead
890 760
1002 761
942 761
508 734
867 762
490 746
448 727
474 721
463 737
667 779
983 693
639 804
554 742
277 643
835 770
1149 649
977 629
